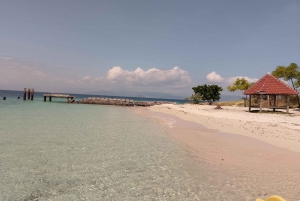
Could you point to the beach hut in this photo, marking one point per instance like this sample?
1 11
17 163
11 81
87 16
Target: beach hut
270 85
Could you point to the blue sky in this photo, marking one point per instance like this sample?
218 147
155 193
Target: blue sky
89 46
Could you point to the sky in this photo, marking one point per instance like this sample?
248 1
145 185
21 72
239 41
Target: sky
135 47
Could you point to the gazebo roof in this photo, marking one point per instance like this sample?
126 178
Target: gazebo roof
270 85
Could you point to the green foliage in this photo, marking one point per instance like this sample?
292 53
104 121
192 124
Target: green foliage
194 98
208 93
240 84
297 82
289 73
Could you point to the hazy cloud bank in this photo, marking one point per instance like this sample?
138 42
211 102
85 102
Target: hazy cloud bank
18 73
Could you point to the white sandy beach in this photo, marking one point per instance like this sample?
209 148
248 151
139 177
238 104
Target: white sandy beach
280 130
260 152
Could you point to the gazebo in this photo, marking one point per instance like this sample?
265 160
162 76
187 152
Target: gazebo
270 85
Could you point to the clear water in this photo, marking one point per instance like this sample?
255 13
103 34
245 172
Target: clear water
58 151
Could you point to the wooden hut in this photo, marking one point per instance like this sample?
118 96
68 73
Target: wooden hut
270 85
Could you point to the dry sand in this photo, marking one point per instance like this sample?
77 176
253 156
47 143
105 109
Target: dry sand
281 130
258 153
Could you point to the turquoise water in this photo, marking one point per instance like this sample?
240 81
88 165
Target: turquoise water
58 151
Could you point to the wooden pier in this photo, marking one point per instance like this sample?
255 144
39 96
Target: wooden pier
69 99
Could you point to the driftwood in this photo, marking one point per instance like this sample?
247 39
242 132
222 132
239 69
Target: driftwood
120 102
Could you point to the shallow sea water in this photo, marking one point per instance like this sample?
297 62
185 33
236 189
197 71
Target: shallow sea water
58 151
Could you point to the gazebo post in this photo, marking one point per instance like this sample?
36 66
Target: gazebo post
250 103
274 103
287 104
260 104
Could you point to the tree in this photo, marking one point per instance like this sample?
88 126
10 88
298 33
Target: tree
240 84
208 93
289 73
194 98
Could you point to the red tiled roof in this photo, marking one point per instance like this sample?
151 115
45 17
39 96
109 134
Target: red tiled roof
271 86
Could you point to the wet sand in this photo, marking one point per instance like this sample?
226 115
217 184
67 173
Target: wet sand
252 167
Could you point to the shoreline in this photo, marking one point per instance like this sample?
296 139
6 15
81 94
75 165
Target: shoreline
221 147
248 163
280 130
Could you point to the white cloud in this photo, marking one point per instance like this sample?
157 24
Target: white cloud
18 73
214 77
86 78
173 78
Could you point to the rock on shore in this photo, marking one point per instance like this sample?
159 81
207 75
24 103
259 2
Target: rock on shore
121 102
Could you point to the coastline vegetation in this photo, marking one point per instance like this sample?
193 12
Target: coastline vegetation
205 93
208 94
288 73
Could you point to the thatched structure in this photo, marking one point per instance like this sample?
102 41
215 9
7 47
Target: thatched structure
270 85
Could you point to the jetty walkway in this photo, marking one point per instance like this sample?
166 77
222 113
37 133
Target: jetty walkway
69 99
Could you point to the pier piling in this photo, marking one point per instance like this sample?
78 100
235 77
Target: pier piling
28 94
31 94
24 94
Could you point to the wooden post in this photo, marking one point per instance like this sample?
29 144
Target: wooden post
4 98
32 93
50 98
249 103
287 104
28 94
274 103
260 104
45 98
24 94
